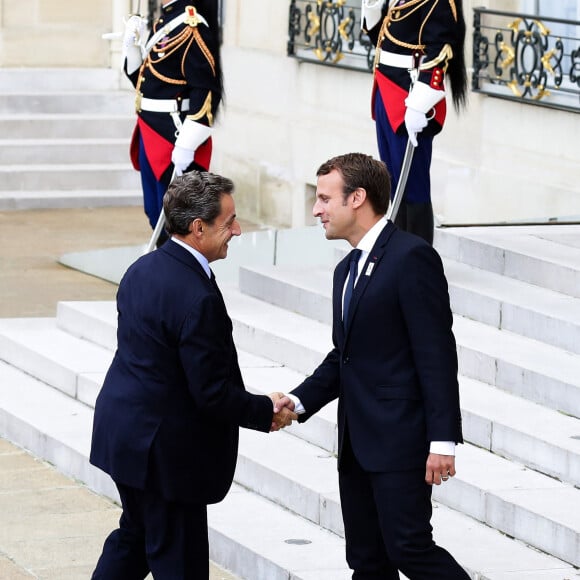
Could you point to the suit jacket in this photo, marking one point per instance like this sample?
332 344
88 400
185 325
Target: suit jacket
168 414
395 370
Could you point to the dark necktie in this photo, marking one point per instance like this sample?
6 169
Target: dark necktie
353 271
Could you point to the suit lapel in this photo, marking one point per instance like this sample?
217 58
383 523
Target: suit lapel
180 253
188 259
370 266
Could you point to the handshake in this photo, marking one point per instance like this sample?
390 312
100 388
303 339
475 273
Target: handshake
283 411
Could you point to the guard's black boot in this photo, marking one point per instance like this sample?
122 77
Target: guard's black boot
401 218
163 237
420 220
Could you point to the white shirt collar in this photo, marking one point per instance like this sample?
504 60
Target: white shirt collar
369 239
197 255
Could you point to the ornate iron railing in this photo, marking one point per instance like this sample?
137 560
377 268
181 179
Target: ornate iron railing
329 32
527 58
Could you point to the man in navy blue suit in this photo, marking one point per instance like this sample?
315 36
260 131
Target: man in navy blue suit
393 369
167 418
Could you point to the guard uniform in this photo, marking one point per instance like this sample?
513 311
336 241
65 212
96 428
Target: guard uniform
408 34
179 79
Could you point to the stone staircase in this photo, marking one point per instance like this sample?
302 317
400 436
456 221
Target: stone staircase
512 511
64 139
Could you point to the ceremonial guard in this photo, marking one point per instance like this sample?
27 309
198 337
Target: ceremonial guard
419 47
178 82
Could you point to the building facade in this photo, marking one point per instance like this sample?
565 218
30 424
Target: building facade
507 158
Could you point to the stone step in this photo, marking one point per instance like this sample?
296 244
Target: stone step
66 126
66 102
506 303
539 438
481 295
68 177
75 151
94 321
507 425
42 350
53 199
505 495
75 317
522 366
277 334
279 544
54 80
308 293
547 256
498 421
522 431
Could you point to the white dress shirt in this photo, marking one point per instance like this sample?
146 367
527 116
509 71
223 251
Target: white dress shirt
197 255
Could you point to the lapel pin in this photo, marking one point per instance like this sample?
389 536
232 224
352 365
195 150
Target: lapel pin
370 268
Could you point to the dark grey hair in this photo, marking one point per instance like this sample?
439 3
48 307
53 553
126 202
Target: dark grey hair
193 195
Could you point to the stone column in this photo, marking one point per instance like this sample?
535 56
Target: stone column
120 10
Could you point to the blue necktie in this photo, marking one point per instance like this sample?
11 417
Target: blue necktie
353 271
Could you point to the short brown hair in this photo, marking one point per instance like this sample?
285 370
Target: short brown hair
360 170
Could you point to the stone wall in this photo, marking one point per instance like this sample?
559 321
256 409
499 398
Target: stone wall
498 161
56 33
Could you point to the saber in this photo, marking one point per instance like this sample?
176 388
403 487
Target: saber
156 232
400 191
409 149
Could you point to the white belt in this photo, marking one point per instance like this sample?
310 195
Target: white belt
396 60
162 105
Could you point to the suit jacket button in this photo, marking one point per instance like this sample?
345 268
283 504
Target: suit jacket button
345 360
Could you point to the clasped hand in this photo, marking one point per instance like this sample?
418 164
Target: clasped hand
283 411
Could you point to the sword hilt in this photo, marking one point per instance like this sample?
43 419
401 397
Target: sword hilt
416 57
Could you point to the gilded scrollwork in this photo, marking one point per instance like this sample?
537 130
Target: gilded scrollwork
528 56
329 32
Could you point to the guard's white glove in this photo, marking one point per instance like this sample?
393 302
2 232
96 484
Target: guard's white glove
191 136
371 12
133 39
181 158
415 122
420 102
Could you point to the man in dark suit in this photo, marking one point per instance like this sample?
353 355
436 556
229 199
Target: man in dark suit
393 369
167 417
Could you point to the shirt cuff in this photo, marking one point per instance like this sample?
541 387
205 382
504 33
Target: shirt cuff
298 406
441 447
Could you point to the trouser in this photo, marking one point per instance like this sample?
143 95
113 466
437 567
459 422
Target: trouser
168 539
392 147
415 212
153 189
387 525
